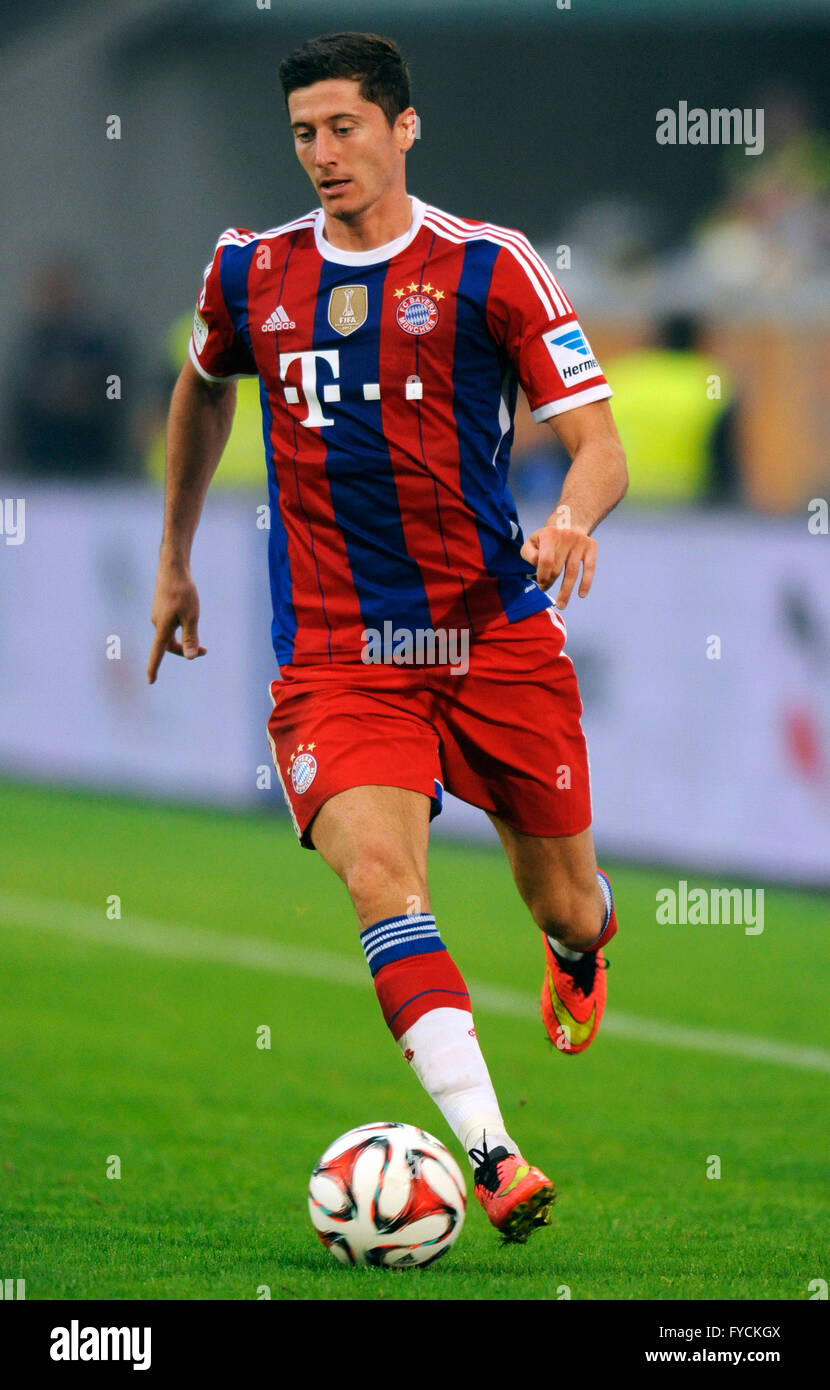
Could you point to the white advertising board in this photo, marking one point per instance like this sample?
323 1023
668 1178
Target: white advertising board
703 653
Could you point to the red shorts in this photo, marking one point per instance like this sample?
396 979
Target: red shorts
505 736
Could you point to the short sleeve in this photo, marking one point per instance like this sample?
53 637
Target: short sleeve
531 317
216 349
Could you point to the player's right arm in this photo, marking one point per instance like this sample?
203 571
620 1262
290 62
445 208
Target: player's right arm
198 426
201 415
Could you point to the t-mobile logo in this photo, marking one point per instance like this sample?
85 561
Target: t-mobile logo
308 381
412 388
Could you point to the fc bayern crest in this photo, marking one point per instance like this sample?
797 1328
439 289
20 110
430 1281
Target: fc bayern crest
303 772
417 313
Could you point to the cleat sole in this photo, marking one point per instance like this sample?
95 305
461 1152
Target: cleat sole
527 1216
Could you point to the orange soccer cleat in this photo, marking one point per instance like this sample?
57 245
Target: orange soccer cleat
515 1197
573 998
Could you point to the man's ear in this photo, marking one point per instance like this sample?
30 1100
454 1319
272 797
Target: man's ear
407 128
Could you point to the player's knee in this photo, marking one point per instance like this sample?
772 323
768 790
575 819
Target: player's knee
571 917
383 883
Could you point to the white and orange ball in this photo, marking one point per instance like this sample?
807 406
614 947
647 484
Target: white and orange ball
387 1194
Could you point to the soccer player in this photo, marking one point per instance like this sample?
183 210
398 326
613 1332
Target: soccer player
418 644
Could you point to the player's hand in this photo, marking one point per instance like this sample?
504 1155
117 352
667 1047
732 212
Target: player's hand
557 549
175 604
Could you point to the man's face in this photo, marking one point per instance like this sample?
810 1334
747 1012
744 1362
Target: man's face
346 146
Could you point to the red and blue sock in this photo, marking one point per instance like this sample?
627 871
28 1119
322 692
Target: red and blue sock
412 969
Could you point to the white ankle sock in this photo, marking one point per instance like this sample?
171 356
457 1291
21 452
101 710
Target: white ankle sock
563 951
443 1051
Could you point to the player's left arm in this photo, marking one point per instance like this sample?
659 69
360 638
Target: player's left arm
595 482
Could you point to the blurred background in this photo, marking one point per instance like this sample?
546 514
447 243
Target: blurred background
135 131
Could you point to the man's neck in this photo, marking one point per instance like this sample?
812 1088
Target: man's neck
384 221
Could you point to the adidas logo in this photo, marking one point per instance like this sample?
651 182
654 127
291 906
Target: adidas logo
277 321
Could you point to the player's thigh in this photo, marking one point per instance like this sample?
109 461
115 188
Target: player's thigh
511 733
376 839
556 876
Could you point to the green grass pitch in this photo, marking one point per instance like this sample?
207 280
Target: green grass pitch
144 1048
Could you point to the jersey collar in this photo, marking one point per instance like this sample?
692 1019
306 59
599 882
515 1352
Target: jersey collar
377 253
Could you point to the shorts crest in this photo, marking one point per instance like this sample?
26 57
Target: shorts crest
303 771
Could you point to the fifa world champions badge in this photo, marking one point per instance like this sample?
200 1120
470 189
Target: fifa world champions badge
417 308
303 765
348 307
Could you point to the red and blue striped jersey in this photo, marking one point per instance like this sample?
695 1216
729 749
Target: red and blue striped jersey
388 381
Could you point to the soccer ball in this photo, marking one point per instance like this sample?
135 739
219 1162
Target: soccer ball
387 1194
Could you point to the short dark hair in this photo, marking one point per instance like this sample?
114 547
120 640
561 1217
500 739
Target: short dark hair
375 62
